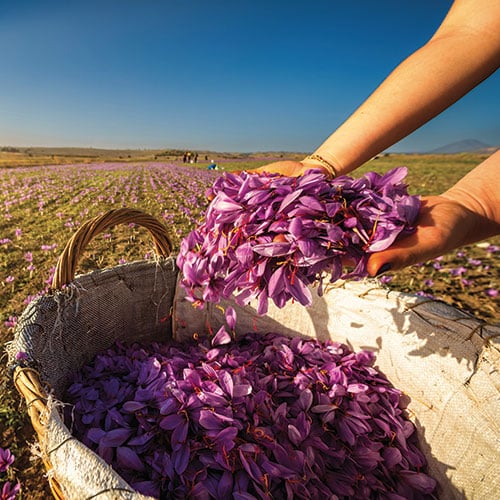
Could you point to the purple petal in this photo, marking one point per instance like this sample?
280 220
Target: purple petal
133 406
392 456
294 435
128 459
225 485
115 438
230 317
288 199
273 249
357 388
226 438
213 421
251 467
172 421
277 281
418 480
221 337
181 459
224 203
179 435
299 291
241 390
226 382
305 400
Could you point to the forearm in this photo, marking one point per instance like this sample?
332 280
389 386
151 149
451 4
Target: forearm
453 62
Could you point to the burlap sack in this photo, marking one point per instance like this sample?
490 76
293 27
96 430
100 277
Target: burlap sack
445 361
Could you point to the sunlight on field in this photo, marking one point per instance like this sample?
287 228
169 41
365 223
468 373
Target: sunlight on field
41 206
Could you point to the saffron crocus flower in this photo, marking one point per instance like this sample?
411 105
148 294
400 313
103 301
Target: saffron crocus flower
11 322
385 279
221 337
273 236
474 262
48 248
6 459
458 271
10 490
21 356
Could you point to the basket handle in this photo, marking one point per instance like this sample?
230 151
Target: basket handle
70 256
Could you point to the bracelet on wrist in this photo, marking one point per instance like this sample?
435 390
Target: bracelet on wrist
325 163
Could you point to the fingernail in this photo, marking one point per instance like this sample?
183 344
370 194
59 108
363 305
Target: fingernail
384 268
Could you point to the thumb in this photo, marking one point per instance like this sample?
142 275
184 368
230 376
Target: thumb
426 243
395 258
442 225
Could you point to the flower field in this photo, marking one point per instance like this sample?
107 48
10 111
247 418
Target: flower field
41 206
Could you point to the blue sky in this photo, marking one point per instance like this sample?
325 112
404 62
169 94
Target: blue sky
223 75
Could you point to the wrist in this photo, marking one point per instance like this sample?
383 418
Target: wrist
476 221
478 190
481 204
322 161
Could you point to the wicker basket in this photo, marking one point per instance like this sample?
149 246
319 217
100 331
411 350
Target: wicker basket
447 362
37 379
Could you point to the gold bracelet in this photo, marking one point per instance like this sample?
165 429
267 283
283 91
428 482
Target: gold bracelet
329 167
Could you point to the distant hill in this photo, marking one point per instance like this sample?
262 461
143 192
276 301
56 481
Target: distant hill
465 146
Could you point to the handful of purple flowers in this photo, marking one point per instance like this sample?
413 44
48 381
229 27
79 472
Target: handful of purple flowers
269 236
264 417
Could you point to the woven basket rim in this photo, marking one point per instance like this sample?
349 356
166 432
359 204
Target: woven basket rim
26 379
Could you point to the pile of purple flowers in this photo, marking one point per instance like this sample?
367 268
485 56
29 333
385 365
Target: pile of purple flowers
270 236
262 417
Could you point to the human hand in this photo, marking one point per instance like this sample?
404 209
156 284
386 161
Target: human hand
443 224
467 212
289 168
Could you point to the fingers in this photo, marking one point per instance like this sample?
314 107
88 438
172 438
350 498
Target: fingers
428 241
442 225
289 168
407 253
